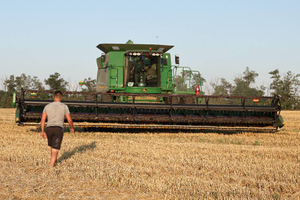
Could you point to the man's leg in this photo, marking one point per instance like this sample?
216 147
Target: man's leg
55 144
54 153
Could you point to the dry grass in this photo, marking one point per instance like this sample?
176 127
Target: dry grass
151 166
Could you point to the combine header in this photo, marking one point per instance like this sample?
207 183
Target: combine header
137 87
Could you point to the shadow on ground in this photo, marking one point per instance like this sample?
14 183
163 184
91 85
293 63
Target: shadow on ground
79 149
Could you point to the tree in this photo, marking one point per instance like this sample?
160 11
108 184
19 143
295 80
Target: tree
5 99
36 84
243 85
90 84
26 82
224 88
6 96
56 83
287 87
249 76
197 79
178 82
22 81
15 84
9 84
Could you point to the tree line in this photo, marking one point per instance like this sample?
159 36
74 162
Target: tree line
53 82
287 86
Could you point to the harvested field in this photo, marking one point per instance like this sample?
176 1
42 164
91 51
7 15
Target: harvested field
106 165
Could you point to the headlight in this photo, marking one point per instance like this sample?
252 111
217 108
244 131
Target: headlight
130 84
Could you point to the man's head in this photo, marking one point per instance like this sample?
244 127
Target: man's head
57 95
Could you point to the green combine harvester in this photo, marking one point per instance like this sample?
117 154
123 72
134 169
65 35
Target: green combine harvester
138 87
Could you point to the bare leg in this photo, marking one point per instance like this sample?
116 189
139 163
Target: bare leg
54 153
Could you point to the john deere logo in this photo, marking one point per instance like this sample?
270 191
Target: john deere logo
144 90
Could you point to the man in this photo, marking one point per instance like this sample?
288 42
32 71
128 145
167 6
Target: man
140 73
56 113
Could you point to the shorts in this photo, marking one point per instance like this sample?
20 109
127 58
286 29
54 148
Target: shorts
54 135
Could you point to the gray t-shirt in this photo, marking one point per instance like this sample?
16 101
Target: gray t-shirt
56 112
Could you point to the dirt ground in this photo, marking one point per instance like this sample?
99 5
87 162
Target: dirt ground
141 165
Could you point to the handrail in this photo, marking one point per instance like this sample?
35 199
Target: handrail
191 74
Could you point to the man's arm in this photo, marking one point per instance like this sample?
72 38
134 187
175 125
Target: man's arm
43 120
70 121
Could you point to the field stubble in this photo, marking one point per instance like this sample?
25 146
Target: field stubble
109 165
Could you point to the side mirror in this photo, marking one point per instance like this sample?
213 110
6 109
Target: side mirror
103 57
177 59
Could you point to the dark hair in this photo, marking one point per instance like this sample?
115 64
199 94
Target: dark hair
58 93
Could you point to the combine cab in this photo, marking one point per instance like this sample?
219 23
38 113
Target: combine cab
137 87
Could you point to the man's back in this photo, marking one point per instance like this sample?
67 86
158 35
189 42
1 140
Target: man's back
56 112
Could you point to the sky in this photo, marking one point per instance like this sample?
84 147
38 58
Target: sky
219 38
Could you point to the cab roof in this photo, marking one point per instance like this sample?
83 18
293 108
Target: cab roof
133 47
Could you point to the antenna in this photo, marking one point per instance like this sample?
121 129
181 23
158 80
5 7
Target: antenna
157 40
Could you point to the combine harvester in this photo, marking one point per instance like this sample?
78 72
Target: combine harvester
137 87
